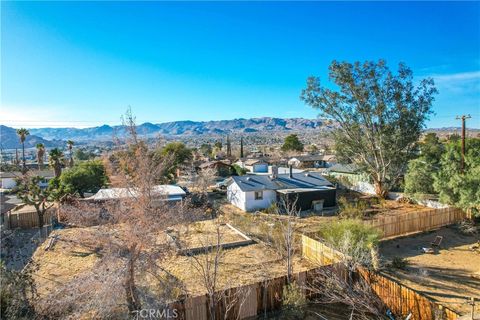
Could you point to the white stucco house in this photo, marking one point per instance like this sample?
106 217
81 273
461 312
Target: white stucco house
257 192
8 179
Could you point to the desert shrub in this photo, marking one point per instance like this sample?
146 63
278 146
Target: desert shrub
352 209
399 263
354 239
273 209
239 170
293 296
17 290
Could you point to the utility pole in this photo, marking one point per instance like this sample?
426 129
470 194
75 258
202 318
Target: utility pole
463 118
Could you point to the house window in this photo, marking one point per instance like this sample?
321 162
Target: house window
258 195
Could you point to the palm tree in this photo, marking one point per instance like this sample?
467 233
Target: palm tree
22 134
70 144
55 158
40 155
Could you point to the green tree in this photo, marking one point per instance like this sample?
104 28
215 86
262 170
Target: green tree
419 177
292 143
206 149
22 134
455 188
380 116
176 154
56 158
40 155
431 149
218 145
82 155
87 176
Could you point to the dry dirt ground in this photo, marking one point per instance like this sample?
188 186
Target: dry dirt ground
450 276
67 259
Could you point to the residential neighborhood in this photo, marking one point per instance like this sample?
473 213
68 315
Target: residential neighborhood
240 160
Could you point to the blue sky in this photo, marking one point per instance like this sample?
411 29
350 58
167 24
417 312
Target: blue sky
82 63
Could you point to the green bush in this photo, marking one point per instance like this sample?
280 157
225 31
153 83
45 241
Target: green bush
352 209
293 296
358 233
239 170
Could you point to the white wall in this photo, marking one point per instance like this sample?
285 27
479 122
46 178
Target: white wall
246 200
8 183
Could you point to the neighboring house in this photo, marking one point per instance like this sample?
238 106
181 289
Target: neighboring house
222 169
254 165
309 189
164 192
8 178
312 161
350 176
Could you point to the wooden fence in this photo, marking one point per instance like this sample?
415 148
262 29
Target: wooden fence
400 299
420 221
241 302
26 219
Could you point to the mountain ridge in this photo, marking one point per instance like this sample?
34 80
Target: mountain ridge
186 127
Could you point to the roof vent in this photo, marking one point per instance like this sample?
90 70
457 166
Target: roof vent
248 178
307 174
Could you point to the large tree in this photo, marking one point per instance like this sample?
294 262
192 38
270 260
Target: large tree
88 176
22 134
380 116
292 143
420 172
453 186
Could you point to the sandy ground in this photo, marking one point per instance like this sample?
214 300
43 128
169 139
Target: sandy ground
449 276
204 233
242 265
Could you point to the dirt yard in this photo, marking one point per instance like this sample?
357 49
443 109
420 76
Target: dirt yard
68 259
450 276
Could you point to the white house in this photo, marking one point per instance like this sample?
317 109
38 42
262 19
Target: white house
7 179
257 192
254 165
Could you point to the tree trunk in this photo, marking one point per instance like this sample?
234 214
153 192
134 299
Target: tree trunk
58 170
24 166
380 189
130 289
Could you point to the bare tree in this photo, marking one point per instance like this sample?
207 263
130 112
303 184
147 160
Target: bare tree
127 235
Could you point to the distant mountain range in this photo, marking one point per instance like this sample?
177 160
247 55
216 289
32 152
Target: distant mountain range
10 140
52 137
181 128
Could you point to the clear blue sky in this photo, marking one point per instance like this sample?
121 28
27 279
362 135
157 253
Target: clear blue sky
82 63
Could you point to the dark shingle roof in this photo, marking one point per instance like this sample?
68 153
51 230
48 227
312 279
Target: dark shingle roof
264 182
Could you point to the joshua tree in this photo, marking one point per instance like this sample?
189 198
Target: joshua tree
70 144
55 158
22 134
40 155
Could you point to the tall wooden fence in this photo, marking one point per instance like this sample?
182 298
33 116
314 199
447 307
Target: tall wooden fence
420 221
401 299
27 219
